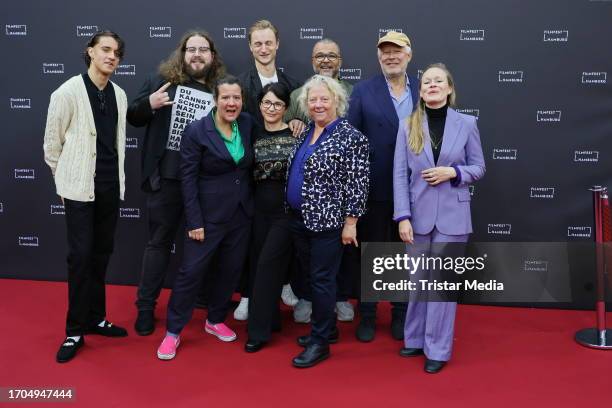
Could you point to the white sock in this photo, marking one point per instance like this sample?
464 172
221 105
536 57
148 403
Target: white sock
102 323
75 338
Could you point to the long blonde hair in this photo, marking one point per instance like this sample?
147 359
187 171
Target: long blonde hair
416 137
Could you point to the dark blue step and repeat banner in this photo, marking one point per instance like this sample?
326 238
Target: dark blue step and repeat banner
535 73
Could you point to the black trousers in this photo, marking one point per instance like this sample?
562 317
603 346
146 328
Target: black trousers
165 210
230 243
319 255
91 230
271 255
376 225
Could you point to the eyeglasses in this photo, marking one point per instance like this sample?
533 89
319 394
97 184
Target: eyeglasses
268 104
102 100
392 53
193 50
331 57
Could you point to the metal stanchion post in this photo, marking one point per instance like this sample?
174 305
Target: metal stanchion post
599 337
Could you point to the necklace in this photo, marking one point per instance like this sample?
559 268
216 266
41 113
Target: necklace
434 142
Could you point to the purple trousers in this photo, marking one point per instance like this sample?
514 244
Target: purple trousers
430 324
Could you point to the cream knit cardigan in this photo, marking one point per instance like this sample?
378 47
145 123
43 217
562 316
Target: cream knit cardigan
70 140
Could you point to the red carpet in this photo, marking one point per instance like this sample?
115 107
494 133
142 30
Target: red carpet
503 357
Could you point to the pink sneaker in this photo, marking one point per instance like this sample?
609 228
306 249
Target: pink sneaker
221 331
167 348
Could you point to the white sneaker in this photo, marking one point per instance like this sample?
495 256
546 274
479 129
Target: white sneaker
345 311
242 311
288 297
302 311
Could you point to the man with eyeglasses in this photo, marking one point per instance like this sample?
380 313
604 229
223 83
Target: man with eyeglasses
326 60
377 107
84 146
170 99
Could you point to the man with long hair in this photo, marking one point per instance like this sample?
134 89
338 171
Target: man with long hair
179 93
84 146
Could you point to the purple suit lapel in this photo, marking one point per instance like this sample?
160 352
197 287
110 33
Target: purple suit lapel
427 143
452 127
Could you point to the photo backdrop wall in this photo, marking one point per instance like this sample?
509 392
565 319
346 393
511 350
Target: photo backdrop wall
536 74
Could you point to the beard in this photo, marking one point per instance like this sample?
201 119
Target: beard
198 73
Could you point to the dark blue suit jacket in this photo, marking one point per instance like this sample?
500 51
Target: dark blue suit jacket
371 111
213 185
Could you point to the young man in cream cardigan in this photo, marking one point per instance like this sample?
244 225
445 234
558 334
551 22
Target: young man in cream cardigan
84 146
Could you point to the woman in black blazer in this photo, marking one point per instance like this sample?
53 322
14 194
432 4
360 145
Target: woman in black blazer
327 188
216 173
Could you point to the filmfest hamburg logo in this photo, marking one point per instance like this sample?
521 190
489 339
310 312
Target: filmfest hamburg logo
470 111
1 208
472 35
57 209
505 154
535 265
579 232
383 31
125 70
542 192
594 77
26 241
160 32
586 156
25 174
234 32
53 68
86 30
131 143
556 35
499 229
311 33
472 189
16 29
510 76
129 212
353 74
21 103
548 116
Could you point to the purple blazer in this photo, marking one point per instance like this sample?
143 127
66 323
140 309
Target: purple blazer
447 205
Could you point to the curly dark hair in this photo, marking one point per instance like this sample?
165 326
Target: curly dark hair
173 68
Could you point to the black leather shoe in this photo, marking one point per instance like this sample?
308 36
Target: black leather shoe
253 346
366 329
68 349
397 327
333 338
312 355
411 352
145 322
434 366
108 330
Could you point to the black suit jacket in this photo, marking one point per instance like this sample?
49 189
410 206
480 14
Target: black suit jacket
213 185
139 114
251 86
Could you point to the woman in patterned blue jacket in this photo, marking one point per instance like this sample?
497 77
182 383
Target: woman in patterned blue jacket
327 189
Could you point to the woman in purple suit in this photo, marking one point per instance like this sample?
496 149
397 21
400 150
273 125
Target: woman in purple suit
437 156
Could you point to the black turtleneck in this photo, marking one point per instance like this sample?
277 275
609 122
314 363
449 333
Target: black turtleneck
436 119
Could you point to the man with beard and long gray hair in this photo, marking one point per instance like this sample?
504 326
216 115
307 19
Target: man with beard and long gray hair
179 93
